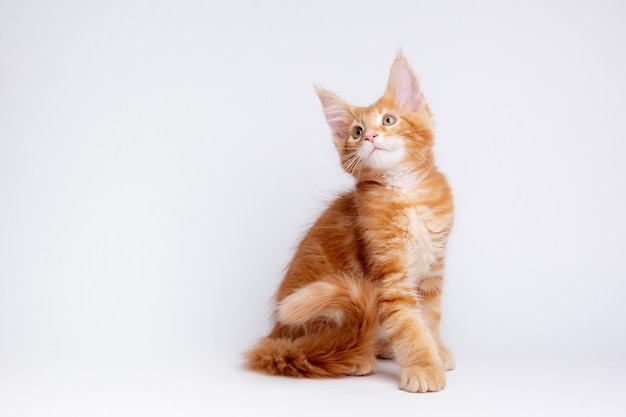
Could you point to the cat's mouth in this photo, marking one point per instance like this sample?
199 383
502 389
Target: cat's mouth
376 147
382 157
373 152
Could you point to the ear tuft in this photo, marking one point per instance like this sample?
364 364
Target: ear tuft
338 113
403 87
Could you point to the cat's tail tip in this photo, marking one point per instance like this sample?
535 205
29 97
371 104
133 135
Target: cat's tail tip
279 356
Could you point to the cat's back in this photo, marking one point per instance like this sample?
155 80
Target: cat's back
329 247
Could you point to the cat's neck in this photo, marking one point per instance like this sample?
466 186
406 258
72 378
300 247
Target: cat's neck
401 180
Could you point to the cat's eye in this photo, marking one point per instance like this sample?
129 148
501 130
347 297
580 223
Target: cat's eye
357 132
389 119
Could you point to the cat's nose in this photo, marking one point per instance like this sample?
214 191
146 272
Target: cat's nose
370 136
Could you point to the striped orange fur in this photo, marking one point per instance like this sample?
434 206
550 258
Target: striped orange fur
366 279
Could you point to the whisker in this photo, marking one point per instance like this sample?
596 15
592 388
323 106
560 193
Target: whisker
352 164
348 155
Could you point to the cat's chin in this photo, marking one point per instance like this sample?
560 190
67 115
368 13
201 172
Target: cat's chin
384 160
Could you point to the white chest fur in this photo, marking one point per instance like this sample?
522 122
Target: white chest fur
403 180
424 246
425 232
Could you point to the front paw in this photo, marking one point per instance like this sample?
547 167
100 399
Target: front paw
423 378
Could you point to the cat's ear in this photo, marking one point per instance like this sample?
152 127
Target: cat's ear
338 114
403 87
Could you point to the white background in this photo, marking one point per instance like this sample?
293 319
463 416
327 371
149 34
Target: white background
159 161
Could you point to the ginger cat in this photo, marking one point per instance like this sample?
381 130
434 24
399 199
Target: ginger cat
366 279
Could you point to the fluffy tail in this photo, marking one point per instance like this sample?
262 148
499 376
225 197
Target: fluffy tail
326 328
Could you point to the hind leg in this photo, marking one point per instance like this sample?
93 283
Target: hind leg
334 322
384 350
365 366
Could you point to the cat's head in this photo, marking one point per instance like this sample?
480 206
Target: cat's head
395 132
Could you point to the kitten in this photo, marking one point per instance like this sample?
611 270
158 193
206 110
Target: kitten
366 279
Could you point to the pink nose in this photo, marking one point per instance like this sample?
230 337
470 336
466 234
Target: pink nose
371 136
